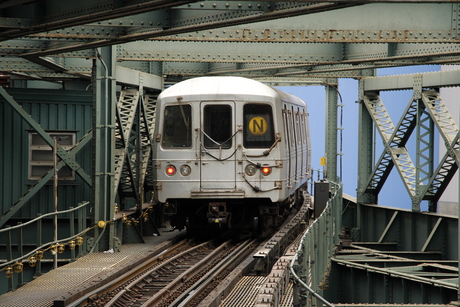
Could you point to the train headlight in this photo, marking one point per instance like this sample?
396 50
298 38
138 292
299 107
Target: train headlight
170 170
266 170
250 170
185 170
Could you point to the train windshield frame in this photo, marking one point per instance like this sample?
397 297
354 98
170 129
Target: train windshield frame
258 131
177 132
217 126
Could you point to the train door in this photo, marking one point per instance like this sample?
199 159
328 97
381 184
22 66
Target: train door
218 146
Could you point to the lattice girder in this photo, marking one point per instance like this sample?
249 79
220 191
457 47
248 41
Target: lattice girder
425 139
449 132
442 118
380 174
126 112
394 140
148 109
134 136
425 110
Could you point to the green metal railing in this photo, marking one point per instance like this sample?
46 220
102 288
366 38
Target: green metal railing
311 265
77 216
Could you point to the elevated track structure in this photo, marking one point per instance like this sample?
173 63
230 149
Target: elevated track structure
79 82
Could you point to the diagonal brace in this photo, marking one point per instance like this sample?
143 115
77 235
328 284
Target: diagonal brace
62 153
40 183
395 139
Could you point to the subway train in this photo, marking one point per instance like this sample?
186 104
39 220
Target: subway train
230 154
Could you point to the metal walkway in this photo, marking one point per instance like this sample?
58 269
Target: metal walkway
246 291
64 282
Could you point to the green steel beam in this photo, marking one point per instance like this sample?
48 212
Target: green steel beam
406 82
425 111
291 55
401 255
125 167
365 165
449 132
183 19
424 157
54 14
104 100
365 154
394 138
256 59
135 78
349 38
194 16
331 129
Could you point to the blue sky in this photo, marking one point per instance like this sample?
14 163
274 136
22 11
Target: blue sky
395 102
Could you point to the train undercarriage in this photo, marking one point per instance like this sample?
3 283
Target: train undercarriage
242 217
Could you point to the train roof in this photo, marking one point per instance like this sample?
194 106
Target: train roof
204 88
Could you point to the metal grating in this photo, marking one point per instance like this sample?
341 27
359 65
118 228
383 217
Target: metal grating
245 292
42 291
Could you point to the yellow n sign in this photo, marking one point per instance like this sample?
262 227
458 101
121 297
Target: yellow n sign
258 125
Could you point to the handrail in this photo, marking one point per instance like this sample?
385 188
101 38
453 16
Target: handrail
42 216
330 215
45 246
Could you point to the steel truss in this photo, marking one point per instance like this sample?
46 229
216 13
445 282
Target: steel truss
183 39
134 137
425 111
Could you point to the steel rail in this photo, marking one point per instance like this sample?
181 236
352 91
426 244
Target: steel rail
187 275
129 275
147 273
192 292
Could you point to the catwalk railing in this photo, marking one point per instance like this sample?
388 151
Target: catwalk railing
311 266
22 253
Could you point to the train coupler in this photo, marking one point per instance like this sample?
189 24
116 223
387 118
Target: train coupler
217 213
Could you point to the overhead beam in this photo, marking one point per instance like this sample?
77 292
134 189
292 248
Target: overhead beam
51 15
136 78
183 20
340 46
309 51
207 21
76 68
405 82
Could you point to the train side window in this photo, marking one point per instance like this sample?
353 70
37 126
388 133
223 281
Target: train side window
286 126
217 129
297 127
258 126
177 132
294 128
302 123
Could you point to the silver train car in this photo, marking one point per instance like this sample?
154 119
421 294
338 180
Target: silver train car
229 153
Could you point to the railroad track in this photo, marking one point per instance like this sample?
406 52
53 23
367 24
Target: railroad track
180 276
190 274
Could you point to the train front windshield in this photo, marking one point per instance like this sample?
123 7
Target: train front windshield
177 132
258 126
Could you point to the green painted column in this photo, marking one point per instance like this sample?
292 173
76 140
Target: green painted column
331 129
104 117
365 153
424 157
365 162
